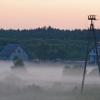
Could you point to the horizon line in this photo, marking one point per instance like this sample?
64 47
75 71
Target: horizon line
46 27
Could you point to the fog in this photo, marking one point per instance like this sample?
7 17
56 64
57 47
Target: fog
47 81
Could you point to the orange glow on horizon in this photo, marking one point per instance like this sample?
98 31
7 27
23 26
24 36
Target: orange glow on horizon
65 14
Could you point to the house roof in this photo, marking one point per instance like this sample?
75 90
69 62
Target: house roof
8 50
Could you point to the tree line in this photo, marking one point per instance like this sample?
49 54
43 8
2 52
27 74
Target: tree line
49 43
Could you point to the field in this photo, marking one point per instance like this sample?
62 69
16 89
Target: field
46 82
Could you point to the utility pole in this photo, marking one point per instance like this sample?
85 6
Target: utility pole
92 18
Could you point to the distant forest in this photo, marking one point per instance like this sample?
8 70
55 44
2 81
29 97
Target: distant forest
48 43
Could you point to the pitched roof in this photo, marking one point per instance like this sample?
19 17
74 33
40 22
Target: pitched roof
8 49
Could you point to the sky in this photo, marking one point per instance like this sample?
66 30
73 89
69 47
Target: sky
63 14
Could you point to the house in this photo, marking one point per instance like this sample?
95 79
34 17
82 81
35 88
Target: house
11 51
92 55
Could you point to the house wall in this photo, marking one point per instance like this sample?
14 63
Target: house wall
92 56
20 53
92 59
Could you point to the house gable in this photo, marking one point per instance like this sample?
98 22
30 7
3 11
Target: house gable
12 50
92 55
19 52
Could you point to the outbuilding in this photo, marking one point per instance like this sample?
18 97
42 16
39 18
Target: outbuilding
11 51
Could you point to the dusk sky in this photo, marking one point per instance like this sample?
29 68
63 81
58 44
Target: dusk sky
64 14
